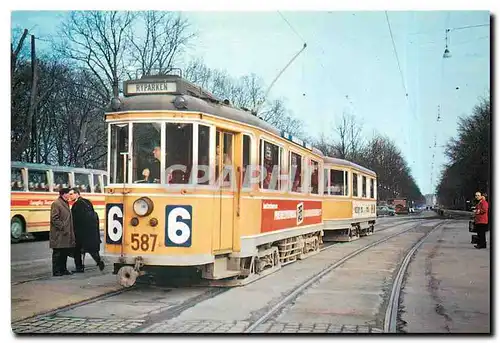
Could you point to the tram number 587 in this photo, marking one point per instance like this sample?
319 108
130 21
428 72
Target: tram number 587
178 225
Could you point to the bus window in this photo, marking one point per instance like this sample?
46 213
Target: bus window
178 152
119 145
82 182
37 181
296 172
16 180
203 155
97 183
146 153
314 177
61 180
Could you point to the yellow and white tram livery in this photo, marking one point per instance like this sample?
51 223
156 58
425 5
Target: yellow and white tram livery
196 182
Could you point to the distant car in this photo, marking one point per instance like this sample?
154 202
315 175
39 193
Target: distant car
385 211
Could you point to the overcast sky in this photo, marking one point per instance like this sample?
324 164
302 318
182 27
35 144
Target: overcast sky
350 65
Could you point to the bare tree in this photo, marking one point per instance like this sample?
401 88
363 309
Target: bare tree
97 39
349 132
166 35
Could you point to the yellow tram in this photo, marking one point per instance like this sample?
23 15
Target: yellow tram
194 181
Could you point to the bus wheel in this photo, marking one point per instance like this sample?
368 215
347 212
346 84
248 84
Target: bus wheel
16 229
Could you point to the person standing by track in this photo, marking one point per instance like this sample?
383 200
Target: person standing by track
62 236
481 220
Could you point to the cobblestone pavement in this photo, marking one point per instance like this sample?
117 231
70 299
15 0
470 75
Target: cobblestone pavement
56 324
204 326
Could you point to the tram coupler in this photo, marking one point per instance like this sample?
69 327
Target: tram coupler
127 274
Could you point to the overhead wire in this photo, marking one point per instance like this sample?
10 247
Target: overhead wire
396 53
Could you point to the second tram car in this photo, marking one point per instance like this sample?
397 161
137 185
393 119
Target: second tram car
194 181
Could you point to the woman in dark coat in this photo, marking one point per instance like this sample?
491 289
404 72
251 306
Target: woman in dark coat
87 234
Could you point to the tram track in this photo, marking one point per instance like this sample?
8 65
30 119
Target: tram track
295 293
392 310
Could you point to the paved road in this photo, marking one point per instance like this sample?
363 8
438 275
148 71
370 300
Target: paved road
349 299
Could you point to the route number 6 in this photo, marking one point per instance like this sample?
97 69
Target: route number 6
114 223
178 226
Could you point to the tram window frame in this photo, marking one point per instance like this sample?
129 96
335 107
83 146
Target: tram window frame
355 189
364 186
263 143
326 181
78 185
343 189
22 187
61 185
372 188
301 175
311 175
246 153
203 146
119 141
40 172
145 138
186 176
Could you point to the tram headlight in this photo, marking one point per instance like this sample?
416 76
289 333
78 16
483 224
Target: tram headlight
143 206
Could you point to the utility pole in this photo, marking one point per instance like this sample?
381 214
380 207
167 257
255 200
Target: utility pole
31 111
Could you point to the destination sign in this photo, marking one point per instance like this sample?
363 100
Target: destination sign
151 87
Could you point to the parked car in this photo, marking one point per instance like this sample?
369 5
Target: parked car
385 211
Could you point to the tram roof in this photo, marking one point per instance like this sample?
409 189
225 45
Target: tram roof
197 100
341 162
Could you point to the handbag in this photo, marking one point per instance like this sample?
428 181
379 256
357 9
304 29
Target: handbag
472 227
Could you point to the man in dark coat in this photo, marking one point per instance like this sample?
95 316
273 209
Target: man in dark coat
62 237
88 238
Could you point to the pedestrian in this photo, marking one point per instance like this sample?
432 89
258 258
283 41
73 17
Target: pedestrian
481 220
88 236
62 236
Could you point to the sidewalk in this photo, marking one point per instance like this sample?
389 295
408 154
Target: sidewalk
40 296
448 285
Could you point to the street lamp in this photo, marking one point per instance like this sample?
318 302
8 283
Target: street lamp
446 53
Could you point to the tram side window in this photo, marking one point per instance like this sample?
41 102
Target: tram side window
296 172
314 177
354 184
16 180
37 181
82 182
97 183
326 172
179 152
105 180
203 155
346 182
337 182
269 162
246 161
61 180
119 145
363 188
372 189
146 152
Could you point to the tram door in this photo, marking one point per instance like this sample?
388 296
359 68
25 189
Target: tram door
224 172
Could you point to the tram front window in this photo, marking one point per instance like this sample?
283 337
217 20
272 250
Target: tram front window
146 153
119 149
179 152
